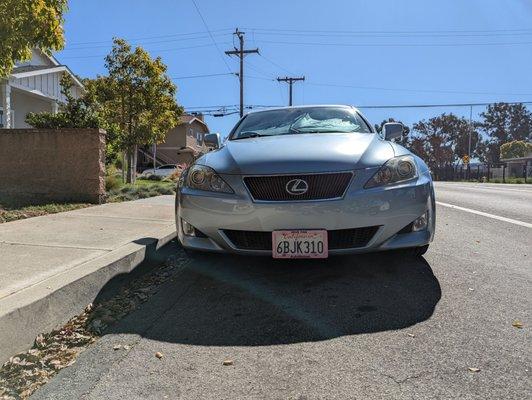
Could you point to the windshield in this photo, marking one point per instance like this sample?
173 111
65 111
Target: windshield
291 121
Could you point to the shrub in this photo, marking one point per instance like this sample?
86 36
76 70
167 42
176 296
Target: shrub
112 182
153 177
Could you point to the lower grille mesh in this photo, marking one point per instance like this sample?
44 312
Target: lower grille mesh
338 239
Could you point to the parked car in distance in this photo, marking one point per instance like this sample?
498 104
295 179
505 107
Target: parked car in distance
306 182
163 170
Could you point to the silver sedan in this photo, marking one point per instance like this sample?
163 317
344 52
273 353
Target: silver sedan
306 182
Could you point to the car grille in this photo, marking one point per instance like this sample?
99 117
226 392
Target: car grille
337 239
320 186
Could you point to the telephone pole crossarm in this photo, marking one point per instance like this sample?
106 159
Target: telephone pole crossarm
290 81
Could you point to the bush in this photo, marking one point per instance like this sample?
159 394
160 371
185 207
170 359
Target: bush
153 177
112 182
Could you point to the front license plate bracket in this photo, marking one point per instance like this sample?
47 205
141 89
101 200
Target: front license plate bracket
300 243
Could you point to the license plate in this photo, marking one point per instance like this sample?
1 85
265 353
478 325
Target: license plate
300 244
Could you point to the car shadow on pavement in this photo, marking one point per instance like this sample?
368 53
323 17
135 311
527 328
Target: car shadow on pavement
225 300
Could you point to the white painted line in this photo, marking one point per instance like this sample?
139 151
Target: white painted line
469 210
477 187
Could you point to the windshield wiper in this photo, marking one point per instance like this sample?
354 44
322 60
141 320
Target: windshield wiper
250 135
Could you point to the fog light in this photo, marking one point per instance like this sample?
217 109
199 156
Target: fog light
188 230
420 223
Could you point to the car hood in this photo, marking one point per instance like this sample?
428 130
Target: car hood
301 153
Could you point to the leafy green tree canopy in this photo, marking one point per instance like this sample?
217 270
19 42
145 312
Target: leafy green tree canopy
26 24
503 122
73 113
515 149
444 140
138 97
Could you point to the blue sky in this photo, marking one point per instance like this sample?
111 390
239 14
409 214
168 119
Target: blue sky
377 52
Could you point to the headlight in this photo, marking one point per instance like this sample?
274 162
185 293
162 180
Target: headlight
205 178
395 170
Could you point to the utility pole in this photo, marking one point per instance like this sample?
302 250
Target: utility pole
290 83
469 144
240 53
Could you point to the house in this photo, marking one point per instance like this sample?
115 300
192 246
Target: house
33 86
182 145
518 167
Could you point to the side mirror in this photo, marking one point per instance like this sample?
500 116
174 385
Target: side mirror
212 140
392 130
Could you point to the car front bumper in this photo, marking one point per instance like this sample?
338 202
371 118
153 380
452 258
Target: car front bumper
390 208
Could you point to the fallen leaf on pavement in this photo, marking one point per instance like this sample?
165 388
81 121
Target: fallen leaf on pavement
117 347
517 324
411 335
473 369
159 355
227 362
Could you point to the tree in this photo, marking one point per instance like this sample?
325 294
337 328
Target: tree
139 98
82 112
26 24
79 112
515 149
503 122
444 140
404 140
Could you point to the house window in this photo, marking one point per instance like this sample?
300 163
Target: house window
199 138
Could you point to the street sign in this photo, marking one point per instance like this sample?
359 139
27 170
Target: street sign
465 159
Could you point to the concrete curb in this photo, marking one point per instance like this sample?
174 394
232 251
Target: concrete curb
52 302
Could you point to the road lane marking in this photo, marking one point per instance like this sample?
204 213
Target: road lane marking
498 217
477 187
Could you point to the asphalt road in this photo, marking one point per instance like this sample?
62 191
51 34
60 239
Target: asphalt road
366 327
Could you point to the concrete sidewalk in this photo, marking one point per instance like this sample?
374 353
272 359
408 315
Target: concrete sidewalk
52 266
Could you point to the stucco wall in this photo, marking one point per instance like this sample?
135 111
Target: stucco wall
39 165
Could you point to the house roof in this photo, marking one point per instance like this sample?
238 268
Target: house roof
528 157
24 71
29 68
189 119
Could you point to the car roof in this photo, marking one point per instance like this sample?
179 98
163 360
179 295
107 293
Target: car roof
303 107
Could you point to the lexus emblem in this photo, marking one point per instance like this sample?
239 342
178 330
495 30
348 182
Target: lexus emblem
297 187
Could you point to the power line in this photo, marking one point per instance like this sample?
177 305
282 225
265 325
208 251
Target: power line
142 43
212 38
152 37
276 65
394 32
396 44
441 105
202 76
152 50
417 90
388 35
385 106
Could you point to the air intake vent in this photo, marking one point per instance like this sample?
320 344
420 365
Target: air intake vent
338 239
